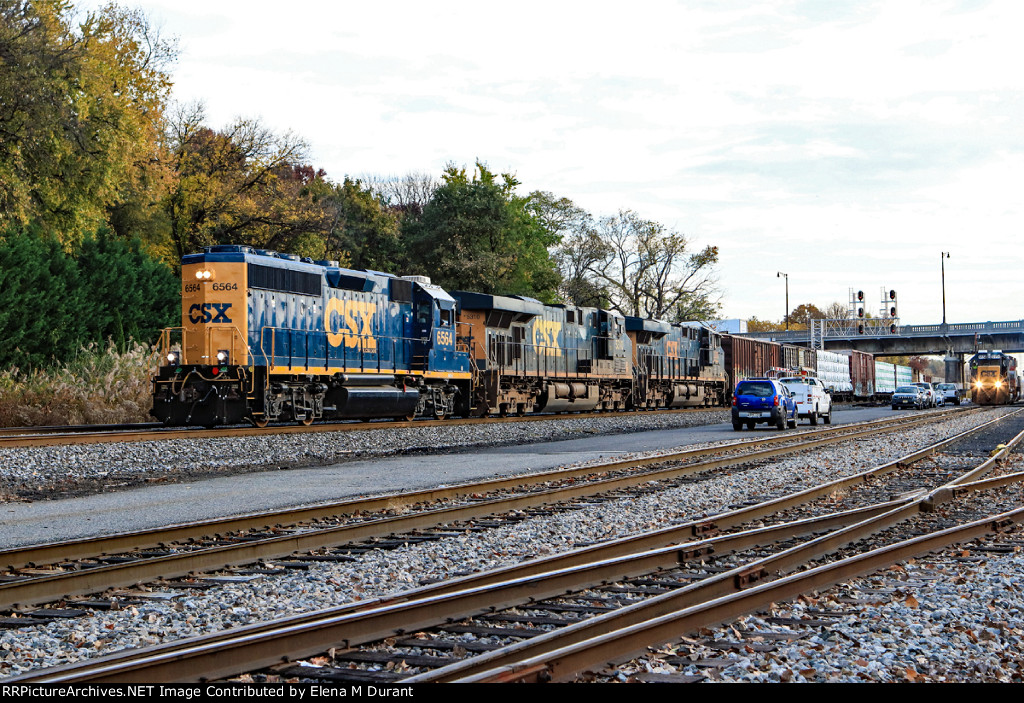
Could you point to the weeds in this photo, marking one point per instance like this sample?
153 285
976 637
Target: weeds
96 387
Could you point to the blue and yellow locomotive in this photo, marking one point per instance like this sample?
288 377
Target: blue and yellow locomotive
274 337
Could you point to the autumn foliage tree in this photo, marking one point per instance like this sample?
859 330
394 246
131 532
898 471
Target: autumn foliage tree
81 110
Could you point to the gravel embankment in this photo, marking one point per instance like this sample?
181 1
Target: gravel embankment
185 613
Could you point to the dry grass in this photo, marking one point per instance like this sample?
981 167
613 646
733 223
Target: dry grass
97 387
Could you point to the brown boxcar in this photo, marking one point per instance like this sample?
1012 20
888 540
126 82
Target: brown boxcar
790 357
862 372
746 357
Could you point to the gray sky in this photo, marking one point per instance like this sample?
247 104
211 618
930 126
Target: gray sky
846 144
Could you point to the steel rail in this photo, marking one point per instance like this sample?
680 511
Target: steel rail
563 664
615 636
64 584
362 622
50 436
49 553
121 666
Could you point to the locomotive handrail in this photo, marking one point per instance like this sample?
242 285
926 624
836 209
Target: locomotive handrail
362 340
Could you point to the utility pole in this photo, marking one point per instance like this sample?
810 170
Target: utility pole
942 260
786 276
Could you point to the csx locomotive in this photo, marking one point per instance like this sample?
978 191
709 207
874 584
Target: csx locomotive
274 337
994 379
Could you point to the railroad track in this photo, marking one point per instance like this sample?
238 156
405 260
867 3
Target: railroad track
225 654
139 432
47 573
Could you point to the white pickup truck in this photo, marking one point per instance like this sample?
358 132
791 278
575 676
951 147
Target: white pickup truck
812 400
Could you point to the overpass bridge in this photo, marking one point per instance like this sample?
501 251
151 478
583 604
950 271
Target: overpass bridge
954 341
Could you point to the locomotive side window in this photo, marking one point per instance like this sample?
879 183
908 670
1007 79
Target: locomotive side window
423 313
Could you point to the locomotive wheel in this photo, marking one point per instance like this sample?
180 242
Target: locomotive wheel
261 422
439 415
307 421
521 410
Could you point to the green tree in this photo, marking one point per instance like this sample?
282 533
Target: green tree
40 299
130 294
579 250
366 233
476 233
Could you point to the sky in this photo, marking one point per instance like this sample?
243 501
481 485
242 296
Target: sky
847 145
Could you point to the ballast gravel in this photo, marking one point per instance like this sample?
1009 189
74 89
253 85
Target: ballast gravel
54 471
183 613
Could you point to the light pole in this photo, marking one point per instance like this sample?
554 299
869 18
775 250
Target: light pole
942 260
786 276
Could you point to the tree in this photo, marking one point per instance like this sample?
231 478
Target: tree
647 271
756 325
80 115
243 185
40 299
366 233
130 295
476 233
837 311
801 316
579 250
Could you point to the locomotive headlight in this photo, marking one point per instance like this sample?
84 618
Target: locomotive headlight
172 357
223 356
999 384
199 275
207 275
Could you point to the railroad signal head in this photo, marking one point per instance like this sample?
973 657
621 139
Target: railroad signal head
860 295
892 311
892 295
860 329
892 329
860 312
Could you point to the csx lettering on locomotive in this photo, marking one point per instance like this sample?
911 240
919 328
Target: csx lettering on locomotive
357 319
546 337
204 312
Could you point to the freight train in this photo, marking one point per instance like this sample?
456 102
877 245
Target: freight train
270 337
994 379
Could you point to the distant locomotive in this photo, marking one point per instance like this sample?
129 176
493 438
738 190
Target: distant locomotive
272 337
994 379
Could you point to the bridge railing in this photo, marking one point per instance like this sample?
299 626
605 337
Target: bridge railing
958 329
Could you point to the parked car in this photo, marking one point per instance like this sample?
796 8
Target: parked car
812 400
758 400
950 393
909 397
931 397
